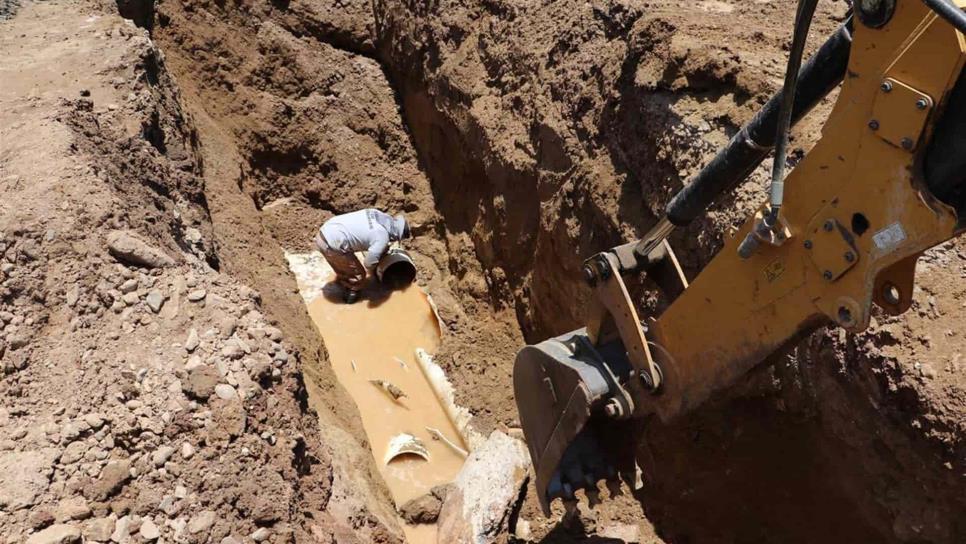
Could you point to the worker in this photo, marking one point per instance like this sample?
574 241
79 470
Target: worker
368 230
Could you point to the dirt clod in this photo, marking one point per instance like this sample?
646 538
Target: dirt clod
424 509
127 247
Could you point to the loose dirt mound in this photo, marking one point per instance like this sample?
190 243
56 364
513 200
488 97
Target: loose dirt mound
144 393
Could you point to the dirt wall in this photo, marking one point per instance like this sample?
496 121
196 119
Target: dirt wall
583 120
519 138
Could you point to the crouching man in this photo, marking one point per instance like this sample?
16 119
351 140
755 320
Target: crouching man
367 230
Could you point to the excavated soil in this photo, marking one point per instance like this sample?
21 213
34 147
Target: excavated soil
519 137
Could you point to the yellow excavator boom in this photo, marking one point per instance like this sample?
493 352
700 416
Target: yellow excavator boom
886 182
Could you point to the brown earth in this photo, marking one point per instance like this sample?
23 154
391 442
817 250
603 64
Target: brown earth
520 137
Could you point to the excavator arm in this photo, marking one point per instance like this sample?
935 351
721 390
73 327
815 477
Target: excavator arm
886 182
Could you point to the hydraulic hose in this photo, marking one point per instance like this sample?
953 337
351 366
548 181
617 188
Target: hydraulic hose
803 20
950 12
822 73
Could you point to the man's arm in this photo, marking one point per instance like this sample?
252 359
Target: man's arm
377 248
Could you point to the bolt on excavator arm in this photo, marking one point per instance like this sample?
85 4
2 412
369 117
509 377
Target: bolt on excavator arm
886 182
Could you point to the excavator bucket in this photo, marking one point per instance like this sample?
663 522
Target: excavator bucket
561 387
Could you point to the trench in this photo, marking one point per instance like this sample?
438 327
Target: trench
742 469
379 348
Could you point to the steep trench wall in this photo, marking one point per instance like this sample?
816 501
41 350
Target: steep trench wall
551 131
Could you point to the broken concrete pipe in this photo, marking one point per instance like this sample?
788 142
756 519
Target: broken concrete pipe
396 269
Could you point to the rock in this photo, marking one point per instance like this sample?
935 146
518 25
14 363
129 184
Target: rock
129 286
225 391
486 489
230 540
17 341
274 334
75 508
96 421
149 531
232 349
193 362
155 300
229 420
192 342
197 295
72 295
424 509
200 382
24 476
56 534
226 326
122 530
73 430
128 248
201 522
261 534
99 530
187 450
130 299
161 455
73 453
111 480
260 370
40 518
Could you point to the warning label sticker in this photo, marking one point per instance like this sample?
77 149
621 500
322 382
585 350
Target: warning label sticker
890 237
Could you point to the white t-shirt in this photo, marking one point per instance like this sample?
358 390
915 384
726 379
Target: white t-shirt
368 230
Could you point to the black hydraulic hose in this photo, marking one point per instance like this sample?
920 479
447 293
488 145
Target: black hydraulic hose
950 12
803 20
822 73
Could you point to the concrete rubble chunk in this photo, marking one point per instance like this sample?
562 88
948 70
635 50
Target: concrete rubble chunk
477 508
24 476
56 534
128 248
